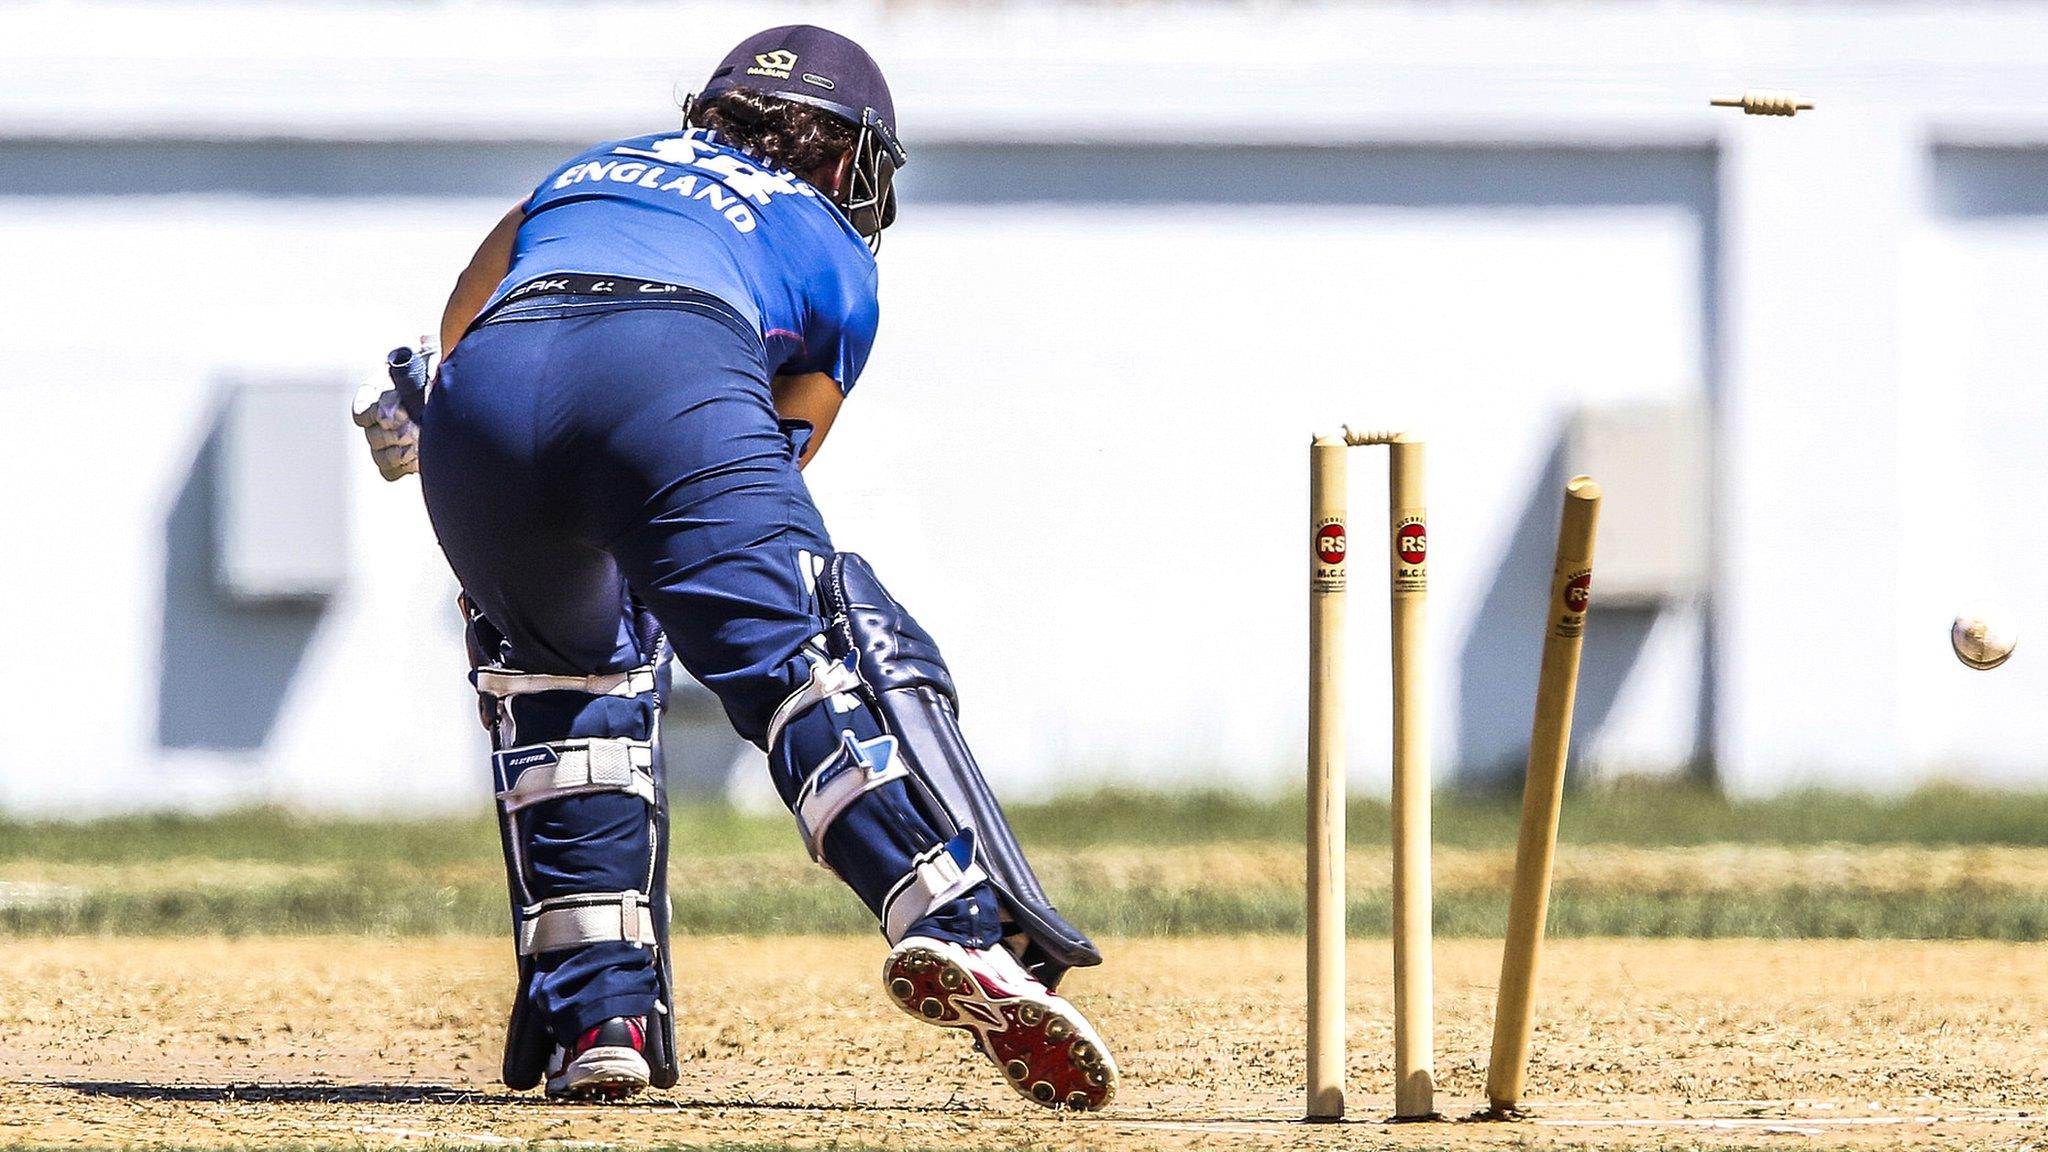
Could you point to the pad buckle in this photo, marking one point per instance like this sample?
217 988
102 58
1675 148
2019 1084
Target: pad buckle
942 874
829 678
854 769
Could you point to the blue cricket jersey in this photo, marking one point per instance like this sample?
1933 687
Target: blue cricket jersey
683 208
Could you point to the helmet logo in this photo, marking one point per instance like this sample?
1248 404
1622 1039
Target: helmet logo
775 65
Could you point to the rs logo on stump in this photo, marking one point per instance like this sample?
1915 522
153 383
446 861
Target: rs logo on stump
1411 554
1574 597
1578 592
1412 542
1330 545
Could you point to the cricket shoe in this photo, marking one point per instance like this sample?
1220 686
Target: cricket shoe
1047 1050
609 1062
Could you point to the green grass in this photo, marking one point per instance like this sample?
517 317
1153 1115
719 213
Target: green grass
384 901
415 877
277 836
1644 815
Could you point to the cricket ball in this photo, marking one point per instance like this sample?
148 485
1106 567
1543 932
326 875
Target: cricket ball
1983 636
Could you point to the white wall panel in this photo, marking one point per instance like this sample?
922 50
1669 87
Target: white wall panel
1080 448
1078 455
1972 468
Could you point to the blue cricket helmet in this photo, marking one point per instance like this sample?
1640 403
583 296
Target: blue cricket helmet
816 66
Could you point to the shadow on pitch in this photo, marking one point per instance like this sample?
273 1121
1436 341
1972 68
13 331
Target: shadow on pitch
445 1094
288 1093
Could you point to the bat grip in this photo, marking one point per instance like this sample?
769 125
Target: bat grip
408 369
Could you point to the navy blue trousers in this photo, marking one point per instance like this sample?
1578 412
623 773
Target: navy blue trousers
574 462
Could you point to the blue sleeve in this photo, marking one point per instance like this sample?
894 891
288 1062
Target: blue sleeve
856 339
840 330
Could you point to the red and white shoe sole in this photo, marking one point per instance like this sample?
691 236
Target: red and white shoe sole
601 1074
1046 1049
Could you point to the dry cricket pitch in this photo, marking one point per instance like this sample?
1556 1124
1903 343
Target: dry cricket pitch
1640 1044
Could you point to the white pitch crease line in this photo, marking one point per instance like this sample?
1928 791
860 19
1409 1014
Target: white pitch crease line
469 1137
424 1134
1776 1125
1275 1128
1795 1121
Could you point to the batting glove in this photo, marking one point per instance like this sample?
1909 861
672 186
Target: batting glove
393 434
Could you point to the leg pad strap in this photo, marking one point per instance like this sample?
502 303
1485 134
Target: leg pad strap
537 773
854 769
502 682
595 918
940 875
829 679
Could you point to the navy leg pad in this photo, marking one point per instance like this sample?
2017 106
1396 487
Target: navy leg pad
905 680
584 827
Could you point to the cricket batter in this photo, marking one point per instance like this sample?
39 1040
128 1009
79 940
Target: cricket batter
641 357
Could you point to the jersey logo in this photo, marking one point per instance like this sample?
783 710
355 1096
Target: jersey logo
749 180
684 163
757 184
774 65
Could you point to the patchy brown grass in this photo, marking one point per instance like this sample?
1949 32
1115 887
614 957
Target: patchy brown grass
353 1042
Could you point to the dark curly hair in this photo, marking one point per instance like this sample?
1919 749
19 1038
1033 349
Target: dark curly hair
797 136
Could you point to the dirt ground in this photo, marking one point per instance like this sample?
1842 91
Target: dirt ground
1643 1044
